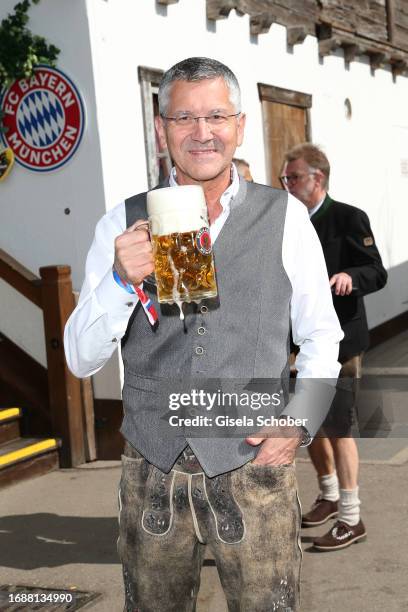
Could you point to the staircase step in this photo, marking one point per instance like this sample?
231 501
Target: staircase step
25 448
9 414
27 457
9 424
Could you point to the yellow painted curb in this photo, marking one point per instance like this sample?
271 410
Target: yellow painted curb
9 413
31 449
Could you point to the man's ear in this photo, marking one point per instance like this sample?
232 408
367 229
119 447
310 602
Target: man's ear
161 132
241 128
320 177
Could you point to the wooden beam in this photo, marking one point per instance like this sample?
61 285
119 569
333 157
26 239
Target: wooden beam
220 9
399 67
327 46
88 411
152 75
149 79
380 53
377 60
295 35
351 51
374 25
20 278
272 93
166 1
64 389
261 23
390 6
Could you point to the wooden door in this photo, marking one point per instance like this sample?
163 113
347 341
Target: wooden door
286 124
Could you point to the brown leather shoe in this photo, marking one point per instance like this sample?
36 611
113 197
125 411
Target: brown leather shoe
340 536
322 510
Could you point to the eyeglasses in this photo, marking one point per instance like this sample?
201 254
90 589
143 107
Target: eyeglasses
293 178
188 121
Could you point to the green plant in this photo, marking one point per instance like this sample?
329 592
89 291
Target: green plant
20 49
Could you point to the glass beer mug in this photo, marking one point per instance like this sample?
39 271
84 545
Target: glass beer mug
180 234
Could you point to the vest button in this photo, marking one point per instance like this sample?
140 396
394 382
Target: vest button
203 309
199 350
201 331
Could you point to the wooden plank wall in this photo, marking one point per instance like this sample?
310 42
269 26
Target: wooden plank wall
401 23
377 28
362 18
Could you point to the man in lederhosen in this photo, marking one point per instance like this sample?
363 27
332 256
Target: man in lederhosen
236 495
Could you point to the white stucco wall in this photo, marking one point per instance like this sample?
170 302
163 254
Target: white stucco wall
33 226
102 44
365 151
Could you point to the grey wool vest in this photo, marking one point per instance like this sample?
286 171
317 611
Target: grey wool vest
241 334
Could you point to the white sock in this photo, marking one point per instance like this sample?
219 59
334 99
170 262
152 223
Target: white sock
329 486
349 506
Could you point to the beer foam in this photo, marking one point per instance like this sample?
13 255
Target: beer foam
176 209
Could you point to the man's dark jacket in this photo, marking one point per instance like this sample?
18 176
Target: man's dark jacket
349 246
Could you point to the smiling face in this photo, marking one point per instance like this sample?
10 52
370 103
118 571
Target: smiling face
201 153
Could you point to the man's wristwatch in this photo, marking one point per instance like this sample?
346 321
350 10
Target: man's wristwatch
306 437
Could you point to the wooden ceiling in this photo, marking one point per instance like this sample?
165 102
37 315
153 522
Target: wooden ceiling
375 28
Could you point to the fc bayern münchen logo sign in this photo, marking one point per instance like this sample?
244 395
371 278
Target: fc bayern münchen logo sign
45 118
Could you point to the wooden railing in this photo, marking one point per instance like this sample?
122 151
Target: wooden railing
52 292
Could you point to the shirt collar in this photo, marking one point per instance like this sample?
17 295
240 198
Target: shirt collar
314 210
228 195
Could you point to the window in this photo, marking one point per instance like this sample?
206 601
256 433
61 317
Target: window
158 161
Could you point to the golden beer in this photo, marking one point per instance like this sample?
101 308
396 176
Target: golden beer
183 259
184 271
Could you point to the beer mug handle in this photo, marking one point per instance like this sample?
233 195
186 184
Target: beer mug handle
145 225
150 279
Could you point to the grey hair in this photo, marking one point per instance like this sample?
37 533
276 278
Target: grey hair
198 69
314 156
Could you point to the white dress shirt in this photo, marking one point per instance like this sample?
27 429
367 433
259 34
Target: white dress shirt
101 317
314 210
